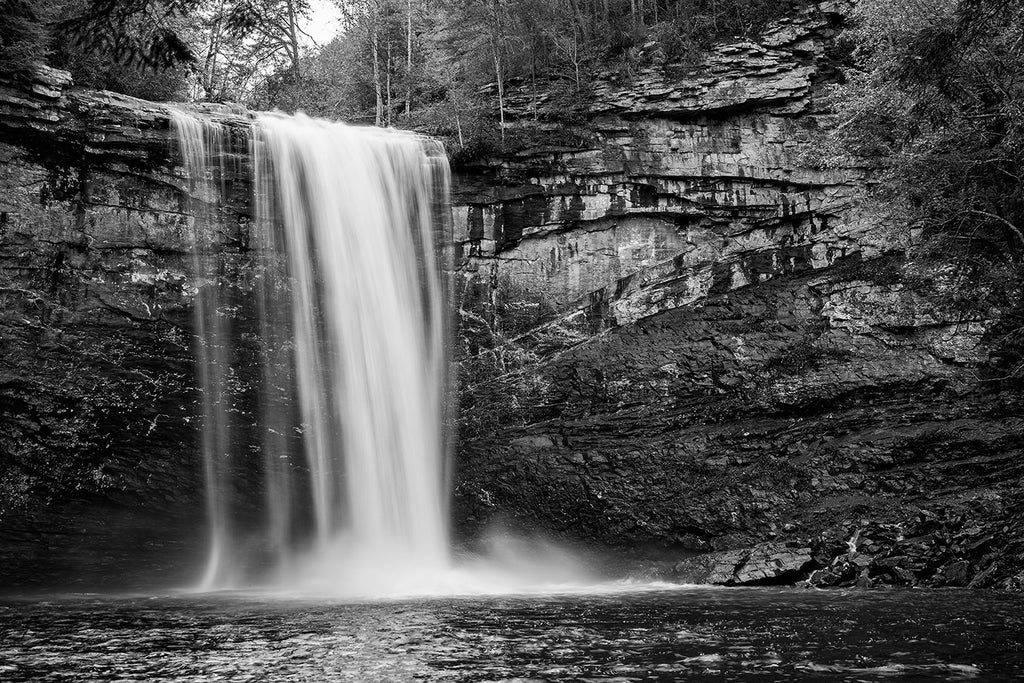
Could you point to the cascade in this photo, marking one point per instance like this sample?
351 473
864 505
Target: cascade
352 341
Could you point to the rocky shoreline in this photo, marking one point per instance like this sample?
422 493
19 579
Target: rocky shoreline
956 551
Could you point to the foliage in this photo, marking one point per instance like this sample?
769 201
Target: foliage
24 34
449 66
129 32
497 376
939 96
437 65
112 44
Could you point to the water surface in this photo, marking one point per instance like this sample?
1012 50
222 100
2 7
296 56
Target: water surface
639 635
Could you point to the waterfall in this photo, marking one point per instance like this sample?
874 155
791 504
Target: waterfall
350 320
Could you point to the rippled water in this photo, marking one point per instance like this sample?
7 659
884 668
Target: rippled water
657 635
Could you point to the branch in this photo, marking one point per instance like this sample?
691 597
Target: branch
1011 226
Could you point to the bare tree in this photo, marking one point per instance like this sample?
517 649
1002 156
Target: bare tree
408 61
274 26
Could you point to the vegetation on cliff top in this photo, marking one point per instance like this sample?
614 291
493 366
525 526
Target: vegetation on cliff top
441 65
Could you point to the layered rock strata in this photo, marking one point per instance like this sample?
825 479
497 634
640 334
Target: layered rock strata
681 332
676 332
98 404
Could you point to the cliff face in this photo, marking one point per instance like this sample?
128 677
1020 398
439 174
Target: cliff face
675 331
685 184
98 428
681 332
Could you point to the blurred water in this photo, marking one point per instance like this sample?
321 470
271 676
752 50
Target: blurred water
346 227
632 634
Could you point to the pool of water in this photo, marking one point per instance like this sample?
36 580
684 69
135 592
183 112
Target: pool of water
664 634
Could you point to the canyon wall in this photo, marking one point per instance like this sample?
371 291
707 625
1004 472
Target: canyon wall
100 478
681 331
678 333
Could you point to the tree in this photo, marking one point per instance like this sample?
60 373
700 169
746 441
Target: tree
120 33
454 63
271 30
940 94
408 62
24 34
133 32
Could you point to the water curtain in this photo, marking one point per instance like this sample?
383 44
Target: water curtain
346 223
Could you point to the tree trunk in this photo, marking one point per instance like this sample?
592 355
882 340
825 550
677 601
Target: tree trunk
387 81
378 118
496 51
209 74
408 61
293 43
577 15
458 122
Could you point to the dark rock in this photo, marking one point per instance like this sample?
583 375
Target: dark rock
99 475
1015 583
955 574
741 351
824 578
864 580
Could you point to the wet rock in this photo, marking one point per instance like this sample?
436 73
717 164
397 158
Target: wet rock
1014 584
955 574
717 568
824 578
764 564
99 476
774 563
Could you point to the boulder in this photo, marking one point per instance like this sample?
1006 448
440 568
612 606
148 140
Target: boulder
775 563
717 568
763 564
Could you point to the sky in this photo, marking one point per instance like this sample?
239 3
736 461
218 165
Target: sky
324 22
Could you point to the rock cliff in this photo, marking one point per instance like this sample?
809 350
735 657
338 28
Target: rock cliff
676 332
680 332
98 405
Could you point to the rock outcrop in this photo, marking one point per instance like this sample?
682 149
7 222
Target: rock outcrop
684 185
765 564
679 331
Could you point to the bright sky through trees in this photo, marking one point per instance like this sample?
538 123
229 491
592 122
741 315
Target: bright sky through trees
324 22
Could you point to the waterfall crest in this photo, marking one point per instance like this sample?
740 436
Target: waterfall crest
352 342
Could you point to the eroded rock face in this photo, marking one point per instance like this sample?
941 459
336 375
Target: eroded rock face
677 332
686 183
99 479
703 341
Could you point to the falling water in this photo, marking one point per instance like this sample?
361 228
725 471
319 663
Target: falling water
204 145
352 341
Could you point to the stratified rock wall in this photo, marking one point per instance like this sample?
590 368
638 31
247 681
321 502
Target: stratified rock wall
677 331
686 183
99 471
681 332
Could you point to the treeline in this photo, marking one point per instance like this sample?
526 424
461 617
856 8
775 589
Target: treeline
211 50
402 55
434 63
137 47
